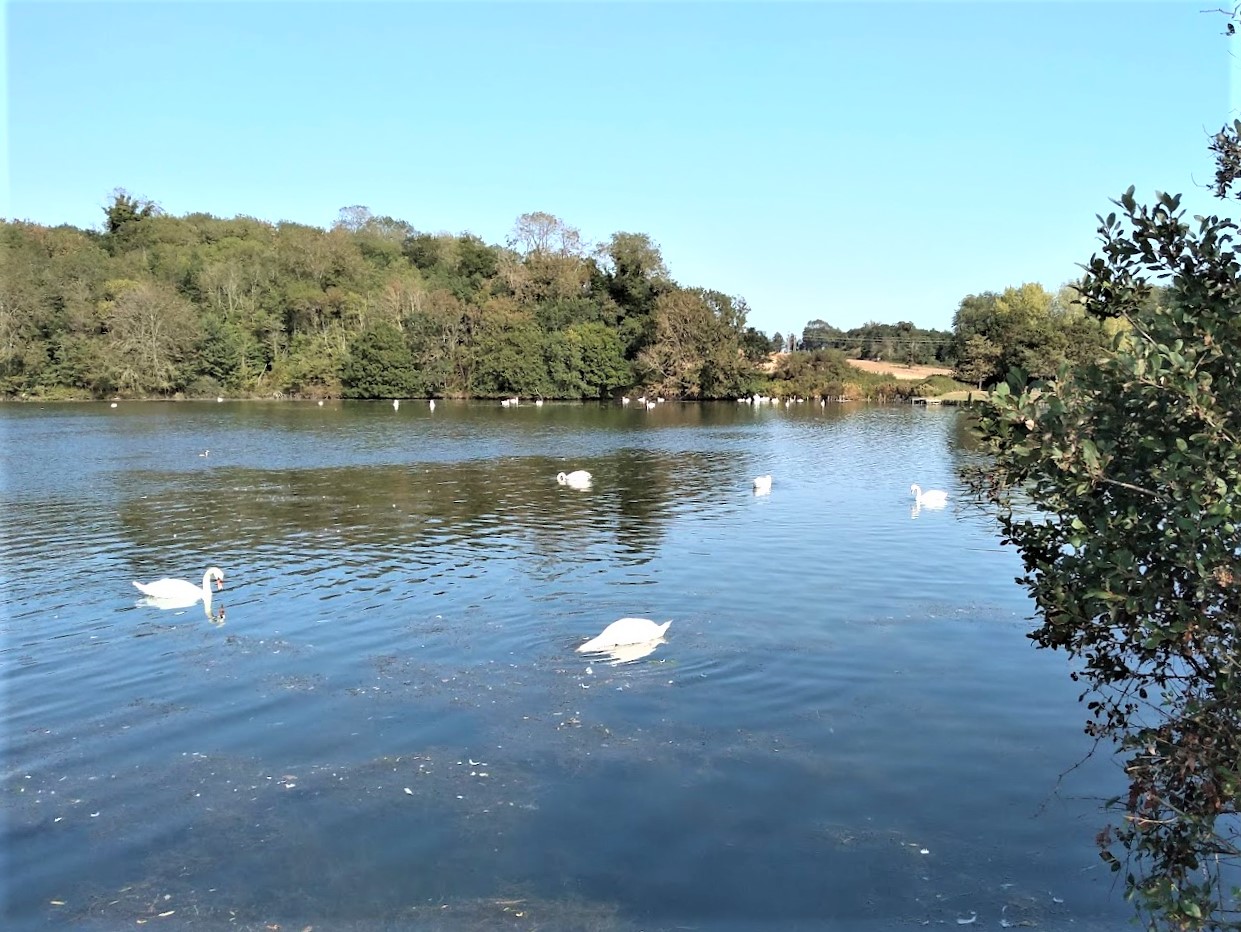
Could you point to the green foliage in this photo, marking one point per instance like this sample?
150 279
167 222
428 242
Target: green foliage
125 211
695 350
379 365
600 360
1024 328
510 361
755 345
901 342
157 304
936 385
231 355
1119 481
819 334
979 360
823 373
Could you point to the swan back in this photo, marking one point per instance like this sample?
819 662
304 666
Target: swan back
625 631
578 479
181 593
762 483
931 498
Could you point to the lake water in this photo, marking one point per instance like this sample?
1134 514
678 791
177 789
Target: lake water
845 727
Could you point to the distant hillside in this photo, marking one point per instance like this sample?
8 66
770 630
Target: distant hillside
898 370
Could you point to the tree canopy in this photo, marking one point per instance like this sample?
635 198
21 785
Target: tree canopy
157 305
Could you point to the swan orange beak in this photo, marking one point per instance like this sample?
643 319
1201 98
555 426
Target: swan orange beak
219 584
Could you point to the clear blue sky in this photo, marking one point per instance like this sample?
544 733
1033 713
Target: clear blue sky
843 161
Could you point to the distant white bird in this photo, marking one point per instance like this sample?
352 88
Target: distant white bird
219 398
538 402
625 631
762 484
396 404
113 405
931 498
431 404
578 479
624 399
205 453
181 593
320 404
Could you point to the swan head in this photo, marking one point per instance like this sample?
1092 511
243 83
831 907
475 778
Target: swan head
915 490
218 575
561 478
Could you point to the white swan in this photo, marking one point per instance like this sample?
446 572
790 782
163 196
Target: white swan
431 404
181 593
762 484
578 479
931 498
624 631
396 404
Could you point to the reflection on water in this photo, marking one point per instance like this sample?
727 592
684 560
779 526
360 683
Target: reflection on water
847 727
214 612
628 653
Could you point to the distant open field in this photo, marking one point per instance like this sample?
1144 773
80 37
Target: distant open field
899 370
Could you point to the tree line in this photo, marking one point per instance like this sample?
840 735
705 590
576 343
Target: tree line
156 305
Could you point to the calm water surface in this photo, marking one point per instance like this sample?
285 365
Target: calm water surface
845 728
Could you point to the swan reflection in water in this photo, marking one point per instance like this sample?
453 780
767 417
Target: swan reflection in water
628 653
215 614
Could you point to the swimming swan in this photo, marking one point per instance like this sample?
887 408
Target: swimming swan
180 593
931 498
762 484
578 479
625 631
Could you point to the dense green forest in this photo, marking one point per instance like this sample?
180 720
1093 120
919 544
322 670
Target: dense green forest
151 305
